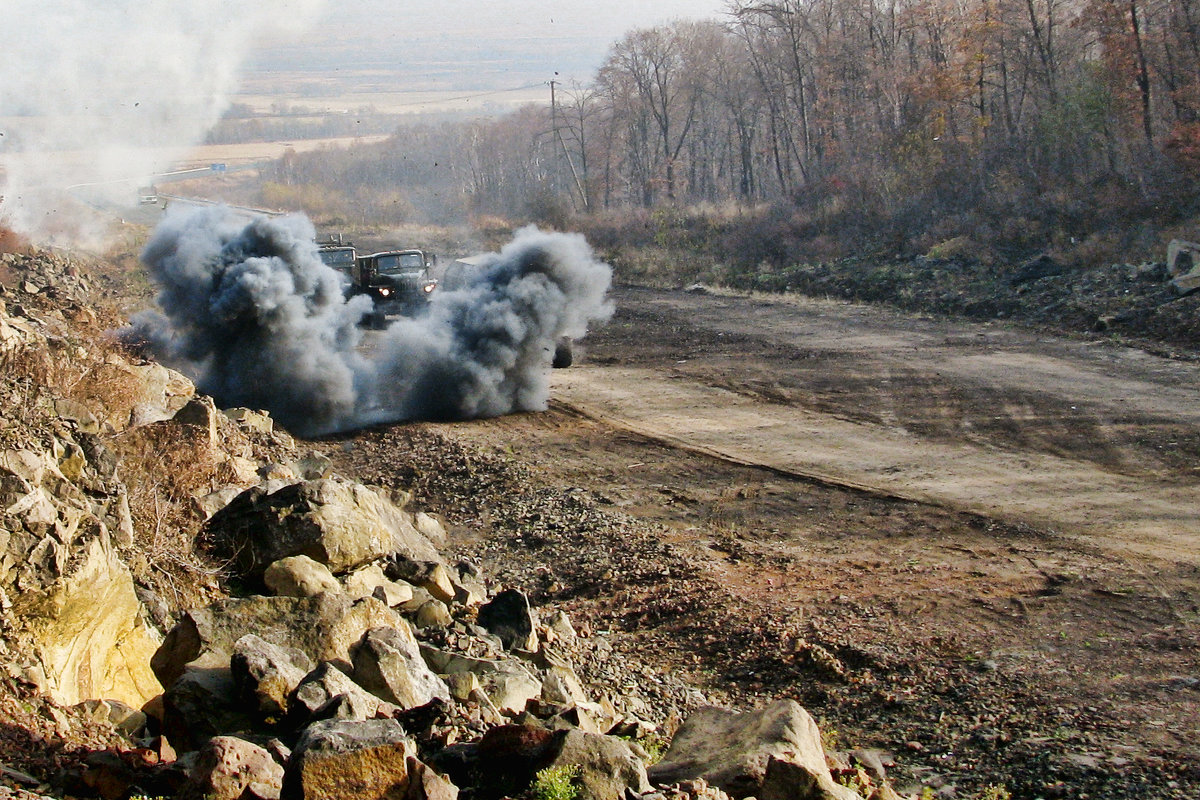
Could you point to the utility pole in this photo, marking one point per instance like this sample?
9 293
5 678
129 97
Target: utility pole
554 136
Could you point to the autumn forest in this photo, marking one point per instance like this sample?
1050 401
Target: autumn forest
1007 126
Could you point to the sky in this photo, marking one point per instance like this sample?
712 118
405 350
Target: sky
518 37
92 93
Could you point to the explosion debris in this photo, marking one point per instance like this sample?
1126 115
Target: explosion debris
250 312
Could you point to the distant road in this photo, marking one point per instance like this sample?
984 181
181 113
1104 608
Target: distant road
199 201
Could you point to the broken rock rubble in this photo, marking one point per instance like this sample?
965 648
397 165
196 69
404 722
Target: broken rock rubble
362 701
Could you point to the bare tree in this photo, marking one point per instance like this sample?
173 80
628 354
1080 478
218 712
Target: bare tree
663 74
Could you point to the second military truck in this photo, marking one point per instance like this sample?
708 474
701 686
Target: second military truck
398 281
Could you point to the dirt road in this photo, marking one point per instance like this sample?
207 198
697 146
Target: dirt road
1089 440
974 548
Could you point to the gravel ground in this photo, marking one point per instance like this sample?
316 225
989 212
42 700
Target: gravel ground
944 719
39 740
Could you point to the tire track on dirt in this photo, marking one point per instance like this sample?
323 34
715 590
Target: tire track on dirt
1122 513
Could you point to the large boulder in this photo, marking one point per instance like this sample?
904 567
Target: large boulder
69 600
508 758
338 523
95 643
200 704
299 576
388 664
349 760
736 752
432 576
122 717
433 614
605 765
323 627
161 392
469 588
393 593
509 616
229 768
249 420
212 502
326 684
202 416
561 685
506 682
363 581
266 674
425 784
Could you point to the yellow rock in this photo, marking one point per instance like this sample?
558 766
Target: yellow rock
95 645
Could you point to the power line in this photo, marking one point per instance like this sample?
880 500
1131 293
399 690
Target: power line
537 85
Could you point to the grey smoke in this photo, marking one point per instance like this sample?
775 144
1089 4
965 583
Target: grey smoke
248 310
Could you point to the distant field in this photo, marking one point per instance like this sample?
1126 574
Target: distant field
291 105
235 154
386 100
80 162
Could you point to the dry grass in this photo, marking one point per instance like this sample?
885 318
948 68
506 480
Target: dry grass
162 466
204 155
663 268
27 403
74 369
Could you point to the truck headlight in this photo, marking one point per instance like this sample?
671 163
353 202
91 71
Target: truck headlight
384 292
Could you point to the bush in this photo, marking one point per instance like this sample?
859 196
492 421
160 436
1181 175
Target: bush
548 209
555 783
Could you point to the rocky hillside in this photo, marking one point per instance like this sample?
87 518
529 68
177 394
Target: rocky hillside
195 607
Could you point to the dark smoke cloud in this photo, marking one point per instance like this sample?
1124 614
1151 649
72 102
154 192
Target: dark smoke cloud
252 315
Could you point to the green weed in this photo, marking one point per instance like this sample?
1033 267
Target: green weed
995 792
555 783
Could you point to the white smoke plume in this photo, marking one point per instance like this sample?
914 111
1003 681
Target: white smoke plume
250 312
99 95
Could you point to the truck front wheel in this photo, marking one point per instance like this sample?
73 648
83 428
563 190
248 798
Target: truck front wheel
563 354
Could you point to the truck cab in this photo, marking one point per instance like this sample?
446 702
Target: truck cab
341 256
398 280
342 259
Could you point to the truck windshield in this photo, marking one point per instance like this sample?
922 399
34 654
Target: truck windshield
342 260
402 262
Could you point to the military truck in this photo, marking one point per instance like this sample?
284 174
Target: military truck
399 281
342 256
